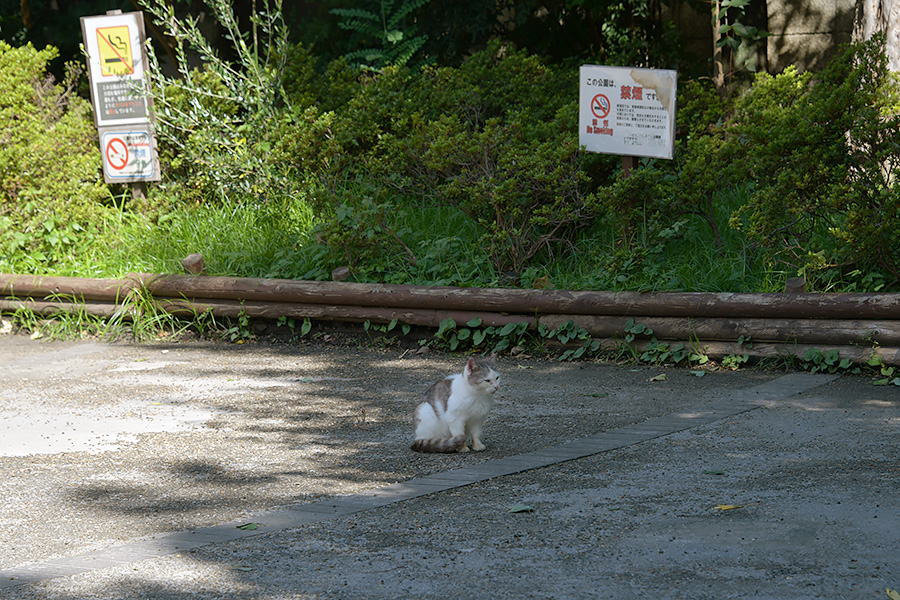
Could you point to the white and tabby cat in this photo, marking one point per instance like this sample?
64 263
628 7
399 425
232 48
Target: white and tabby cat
455 408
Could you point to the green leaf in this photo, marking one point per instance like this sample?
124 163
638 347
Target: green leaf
476 322
249 526
508 329
444 325
395 36
520 508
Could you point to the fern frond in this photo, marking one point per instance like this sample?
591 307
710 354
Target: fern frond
355 13
405 9
406 49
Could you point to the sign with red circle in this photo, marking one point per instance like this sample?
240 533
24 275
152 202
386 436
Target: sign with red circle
117 153
600 106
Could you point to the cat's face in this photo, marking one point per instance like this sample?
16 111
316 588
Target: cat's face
482 376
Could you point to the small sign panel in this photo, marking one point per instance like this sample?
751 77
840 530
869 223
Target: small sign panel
114 48
116 59
627 111
128 155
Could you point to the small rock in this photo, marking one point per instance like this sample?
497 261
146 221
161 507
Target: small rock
193 264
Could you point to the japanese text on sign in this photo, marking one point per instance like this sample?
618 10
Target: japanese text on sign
627 111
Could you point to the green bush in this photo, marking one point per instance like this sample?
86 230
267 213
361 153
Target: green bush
822 151
495 138
50 169
813 158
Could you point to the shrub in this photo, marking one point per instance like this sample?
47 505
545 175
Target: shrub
495 138
50 168
822 151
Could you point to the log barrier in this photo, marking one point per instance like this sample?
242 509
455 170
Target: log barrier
858 325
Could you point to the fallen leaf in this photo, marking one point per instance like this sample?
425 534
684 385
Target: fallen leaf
698 373
724 507
660 377
520 508
249 526
893 594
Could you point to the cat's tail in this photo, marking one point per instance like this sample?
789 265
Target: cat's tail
441 445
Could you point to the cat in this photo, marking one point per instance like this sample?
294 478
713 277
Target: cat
454 408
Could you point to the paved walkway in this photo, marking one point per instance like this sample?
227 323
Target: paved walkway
293 517
744 486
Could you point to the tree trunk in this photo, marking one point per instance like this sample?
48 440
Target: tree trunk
880 16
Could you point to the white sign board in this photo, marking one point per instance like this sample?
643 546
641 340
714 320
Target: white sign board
627 111
122 109
116 61
128 154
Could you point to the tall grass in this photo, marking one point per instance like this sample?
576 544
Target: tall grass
277 239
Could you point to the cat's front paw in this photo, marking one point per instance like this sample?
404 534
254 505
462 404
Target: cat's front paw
464 449
478 446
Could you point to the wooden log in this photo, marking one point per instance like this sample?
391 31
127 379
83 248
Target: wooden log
65 288
807 331
890 355
357 314
49 308
663 304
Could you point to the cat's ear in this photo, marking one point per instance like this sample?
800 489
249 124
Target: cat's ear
471 366
493 357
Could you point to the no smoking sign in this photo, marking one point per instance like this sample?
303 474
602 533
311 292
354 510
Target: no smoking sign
600 106
128 155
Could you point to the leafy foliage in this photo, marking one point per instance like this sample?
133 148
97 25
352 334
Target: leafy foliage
50 185
493 139
221 125
399 41
823 152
